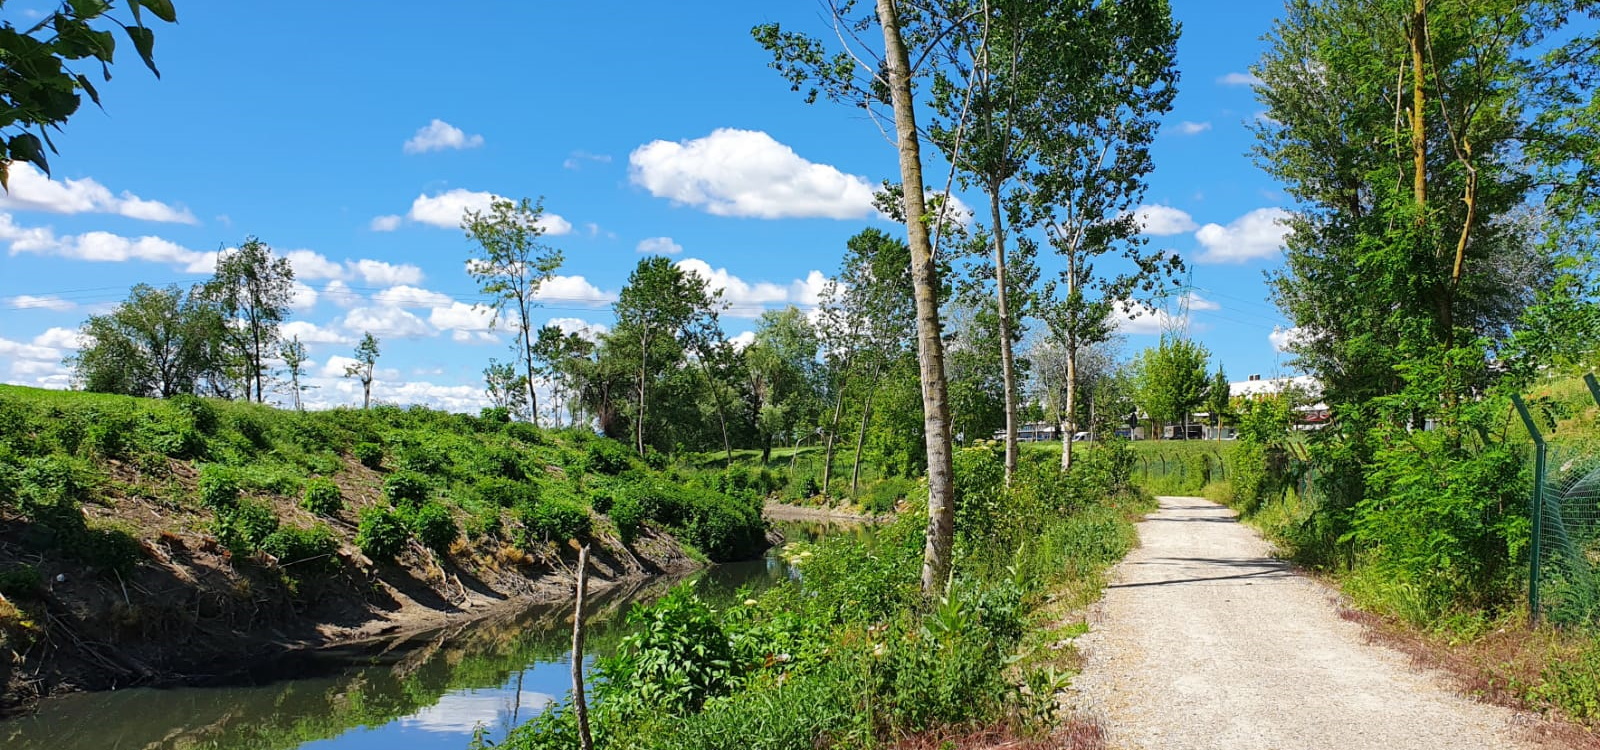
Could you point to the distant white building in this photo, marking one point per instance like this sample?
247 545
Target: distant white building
1307 416
1256 385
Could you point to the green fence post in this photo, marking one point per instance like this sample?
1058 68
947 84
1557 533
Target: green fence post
1594 388
1538 503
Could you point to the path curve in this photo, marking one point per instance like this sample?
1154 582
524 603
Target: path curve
1204 640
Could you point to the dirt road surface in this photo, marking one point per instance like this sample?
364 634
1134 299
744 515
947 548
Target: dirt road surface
1203 640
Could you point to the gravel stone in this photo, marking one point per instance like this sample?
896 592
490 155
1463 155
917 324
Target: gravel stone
1204 640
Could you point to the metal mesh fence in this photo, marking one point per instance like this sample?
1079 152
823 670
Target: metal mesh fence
1567 585
1186 468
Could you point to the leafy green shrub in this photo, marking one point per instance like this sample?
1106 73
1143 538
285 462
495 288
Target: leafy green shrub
606 456
20 582
425 457
199 413
1573 685
721 527
405 489
677 657
883 496
505 493
369 454
483 523
381 534
557 519
219 487
524 432
433 526
497 462
322 497
242 528
496 415
310 550
107 435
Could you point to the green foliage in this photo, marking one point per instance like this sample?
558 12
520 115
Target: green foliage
244 527
607 457
883 496
322 497
433 526
510 261
1573 685
1440 525
40 91
555 518
852 653
677 658
219 487
311 550
21 582
406 489
1171 380
381 534
721 527
369 454
505 493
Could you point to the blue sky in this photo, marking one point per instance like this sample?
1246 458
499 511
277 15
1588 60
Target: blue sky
351 139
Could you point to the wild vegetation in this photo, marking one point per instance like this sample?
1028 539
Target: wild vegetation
853 653
239 505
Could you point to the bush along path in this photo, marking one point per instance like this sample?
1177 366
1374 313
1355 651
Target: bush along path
1204 640
853 654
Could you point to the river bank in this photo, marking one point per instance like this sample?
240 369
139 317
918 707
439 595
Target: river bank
191 616
434 687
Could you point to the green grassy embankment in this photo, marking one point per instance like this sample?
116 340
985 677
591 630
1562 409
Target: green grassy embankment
144 539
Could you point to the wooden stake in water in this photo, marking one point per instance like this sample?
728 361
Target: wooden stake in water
586 742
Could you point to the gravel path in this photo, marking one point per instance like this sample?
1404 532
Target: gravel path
1203 640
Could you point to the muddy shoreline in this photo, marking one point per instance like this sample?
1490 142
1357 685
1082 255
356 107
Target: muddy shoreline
192 617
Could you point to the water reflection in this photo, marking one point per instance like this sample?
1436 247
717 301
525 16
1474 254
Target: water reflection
427 691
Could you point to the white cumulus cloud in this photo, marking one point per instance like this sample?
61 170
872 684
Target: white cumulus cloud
466 323
302 297
311 333
749 299
1258 234
311 265
585 329
387 223
1191 128
446 210
340 293
1285 339
386 322
379 273
57 337
1162 221
33 190
46 302
747 173
660 246
411 296
440 136
20 350
573 289
1239 79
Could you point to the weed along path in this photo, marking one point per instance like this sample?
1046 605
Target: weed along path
1203 640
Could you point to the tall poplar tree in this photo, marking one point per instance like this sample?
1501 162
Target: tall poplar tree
252 288
510 264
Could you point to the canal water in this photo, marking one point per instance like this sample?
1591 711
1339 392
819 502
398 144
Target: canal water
427 691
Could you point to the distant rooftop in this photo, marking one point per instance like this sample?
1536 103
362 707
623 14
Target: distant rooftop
1256 385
